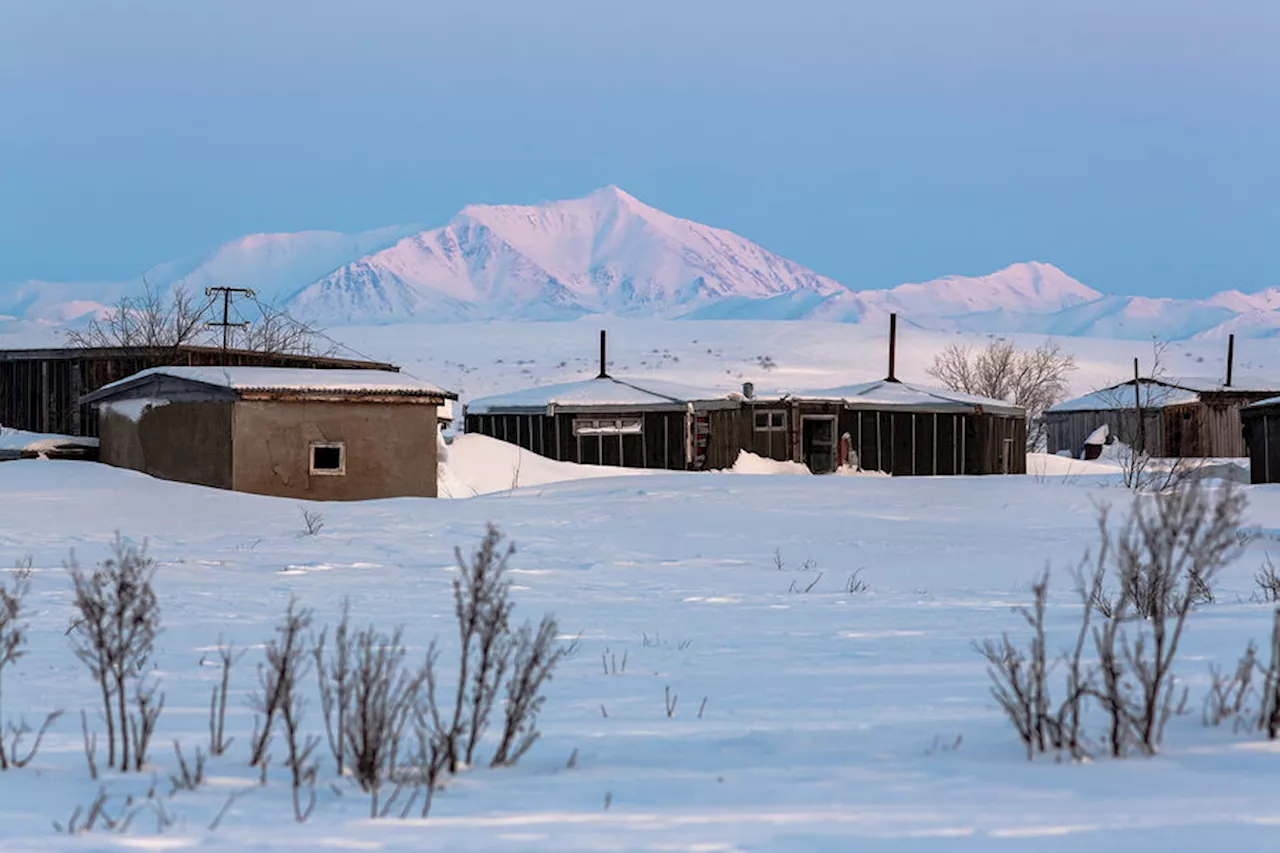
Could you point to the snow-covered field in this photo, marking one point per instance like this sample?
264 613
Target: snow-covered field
477 360
834 721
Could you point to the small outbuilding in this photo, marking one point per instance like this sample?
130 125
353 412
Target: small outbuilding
309 434
892 426
1262 436
1181 418
607 420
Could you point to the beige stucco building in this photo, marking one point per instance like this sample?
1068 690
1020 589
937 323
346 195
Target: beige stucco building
310 434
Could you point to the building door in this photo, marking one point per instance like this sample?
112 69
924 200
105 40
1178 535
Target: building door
818 443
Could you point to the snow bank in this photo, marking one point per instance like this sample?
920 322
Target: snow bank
1052 465
749 463
477 465
16 441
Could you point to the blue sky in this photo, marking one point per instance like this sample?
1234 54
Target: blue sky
1134 143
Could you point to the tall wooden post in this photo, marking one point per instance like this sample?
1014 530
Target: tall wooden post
1231 356
1141 443
893 345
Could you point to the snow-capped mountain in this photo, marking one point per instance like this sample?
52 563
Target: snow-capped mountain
607 252
610 253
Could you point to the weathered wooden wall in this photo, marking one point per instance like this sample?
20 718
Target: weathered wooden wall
899 443
1262 436
1209 427
661 444
40 390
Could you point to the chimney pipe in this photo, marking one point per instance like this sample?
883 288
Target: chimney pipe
604 357
893 345
1231 356
748 390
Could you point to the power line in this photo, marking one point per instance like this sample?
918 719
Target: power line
226 323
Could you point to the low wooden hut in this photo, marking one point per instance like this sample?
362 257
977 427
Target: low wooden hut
607 420
1180 418
885 425
40 389
1262 436
892 426
312 434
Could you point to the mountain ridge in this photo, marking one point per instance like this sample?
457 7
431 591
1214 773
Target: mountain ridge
610 253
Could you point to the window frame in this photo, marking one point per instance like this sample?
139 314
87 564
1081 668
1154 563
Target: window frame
340 446
775 420
620 426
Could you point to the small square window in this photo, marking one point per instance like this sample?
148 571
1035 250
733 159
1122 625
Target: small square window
771 420
329 459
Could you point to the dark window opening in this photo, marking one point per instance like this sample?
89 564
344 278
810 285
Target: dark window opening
328 459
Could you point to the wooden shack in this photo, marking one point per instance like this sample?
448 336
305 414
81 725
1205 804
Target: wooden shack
891 426
1181 418
1262 436
606 420
41 389
306 433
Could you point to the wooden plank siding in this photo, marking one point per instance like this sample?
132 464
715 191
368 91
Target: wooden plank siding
896 442
40 390
660 444
1261 433
1208 427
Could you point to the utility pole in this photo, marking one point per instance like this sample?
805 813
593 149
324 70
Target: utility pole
226 325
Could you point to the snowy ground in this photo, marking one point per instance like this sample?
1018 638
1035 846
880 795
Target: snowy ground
480 359
833 721
477 360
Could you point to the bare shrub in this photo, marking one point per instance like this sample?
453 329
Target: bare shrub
333 670
1267 580
274 330
482 604
1034 379
1165 556
219 743
1269 712
175 319
809 587
113 634
190 776
13 641
384 694
535 658
312 522
1229 693
1020 679
855 585
148 320
280 701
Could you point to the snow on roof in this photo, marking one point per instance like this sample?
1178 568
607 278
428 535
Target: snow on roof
886 394
599 393
272 379
1121 396
1172 391
1270 401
